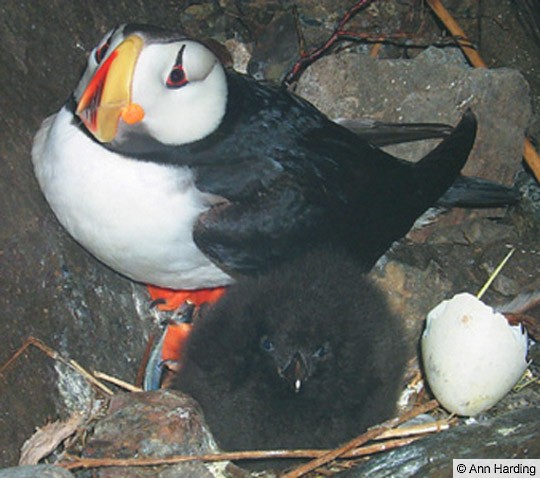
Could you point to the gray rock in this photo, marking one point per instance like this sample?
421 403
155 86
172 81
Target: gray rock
50 287
275 50
35 471
458 258
513 435
437 86
155 424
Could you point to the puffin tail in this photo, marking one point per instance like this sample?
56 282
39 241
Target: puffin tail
470 191
436 172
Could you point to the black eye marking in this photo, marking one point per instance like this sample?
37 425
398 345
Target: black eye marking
101 50
177 77
266 344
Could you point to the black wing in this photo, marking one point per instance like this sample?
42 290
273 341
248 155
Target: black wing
292 178
327 184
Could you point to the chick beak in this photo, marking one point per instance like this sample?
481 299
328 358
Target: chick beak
295 371
107 97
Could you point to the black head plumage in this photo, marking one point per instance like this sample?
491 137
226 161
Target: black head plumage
306 356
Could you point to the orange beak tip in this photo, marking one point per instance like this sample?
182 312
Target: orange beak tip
133 113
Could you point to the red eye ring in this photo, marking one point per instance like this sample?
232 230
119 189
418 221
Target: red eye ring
177 77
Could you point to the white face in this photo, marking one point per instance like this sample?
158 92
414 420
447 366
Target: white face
180 85
179 115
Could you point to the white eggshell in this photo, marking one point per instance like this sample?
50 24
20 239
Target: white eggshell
472 357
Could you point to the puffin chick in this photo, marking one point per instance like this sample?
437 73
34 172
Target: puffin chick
308 355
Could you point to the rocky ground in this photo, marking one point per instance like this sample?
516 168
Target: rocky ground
54 290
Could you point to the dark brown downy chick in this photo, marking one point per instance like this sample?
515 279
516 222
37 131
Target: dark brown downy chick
306 356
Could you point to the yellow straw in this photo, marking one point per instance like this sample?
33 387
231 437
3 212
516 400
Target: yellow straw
495 274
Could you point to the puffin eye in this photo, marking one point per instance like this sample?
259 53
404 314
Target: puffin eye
266 344
101 50
177 77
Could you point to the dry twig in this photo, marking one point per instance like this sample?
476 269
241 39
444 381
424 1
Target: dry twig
40 345
338 33
353 449
360 440
72 462
399 437
30 341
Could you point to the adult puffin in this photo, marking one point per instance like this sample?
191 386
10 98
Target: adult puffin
180 173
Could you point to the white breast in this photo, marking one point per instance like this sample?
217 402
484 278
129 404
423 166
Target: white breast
137 217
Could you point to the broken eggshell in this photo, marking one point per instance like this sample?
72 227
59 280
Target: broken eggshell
472 356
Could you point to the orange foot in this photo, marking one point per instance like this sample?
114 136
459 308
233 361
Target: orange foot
170 299
167 355
176 335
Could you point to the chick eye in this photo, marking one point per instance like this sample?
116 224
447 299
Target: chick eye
177 77
266 344
101 50
320 352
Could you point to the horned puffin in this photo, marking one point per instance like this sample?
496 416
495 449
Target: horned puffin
305 356
178 172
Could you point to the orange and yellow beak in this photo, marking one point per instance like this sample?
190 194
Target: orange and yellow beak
107 97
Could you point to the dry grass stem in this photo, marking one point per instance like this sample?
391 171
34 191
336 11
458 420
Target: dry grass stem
352 449
116 381
30 341
420 429
399 437
371 434
88 376
40 345
495 273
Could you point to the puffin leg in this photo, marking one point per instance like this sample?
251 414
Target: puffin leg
166 355
170 299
